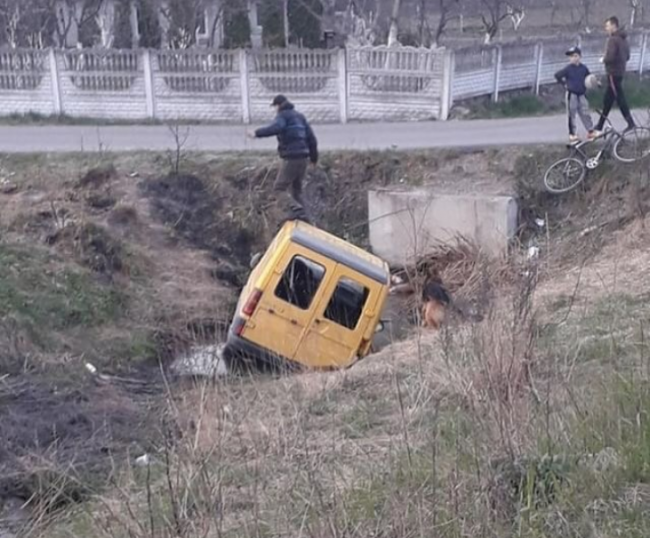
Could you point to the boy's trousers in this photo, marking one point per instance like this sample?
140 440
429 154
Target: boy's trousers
578 105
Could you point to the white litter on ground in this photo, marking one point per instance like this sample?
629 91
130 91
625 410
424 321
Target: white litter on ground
143 461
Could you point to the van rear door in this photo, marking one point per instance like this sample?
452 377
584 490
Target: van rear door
286 306
341 319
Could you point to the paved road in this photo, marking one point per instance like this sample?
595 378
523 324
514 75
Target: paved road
64 138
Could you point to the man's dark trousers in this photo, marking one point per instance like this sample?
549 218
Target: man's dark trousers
288 189
615 94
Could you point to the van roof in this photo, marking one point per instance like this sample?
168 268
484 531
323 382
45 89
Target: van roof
339 250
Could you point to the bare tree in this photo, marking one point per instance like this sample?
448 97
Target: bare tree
554 6
494 12
448 10
27 23
184 18
517 15
636 11
586 7
360 26
394 23
72 12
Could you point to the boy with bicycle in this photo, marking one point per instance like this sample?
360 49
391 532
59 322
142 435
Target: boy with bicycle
575 77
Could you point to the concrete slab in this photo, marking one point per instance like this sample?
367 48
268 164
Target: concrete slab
406 223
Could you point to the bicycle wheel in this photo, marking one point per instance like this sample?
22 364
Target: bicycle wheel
632 145
564 175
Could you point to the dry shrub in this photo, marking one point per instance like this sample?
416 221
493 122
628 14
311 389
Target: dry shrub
471 277
123 216
96 177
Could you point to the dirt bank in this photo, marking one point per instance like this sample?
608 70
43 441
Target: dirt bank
111 260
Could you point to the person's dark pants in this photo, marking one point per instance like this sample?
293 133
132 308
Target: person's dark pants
288 190
615 94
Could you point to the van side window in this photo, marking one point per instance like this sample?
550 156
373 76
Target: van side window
300 282
347 303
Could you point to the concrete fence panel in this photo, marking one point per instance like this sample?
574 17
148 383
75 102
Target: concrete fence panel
308 77
196 85
26 84
106 84
474 72
395 84
518 66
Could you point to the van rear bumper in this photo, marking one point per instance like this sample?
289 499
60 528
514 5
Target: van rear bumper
240 353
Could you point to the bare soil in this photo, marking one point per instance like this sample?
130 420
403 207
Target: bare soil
166 254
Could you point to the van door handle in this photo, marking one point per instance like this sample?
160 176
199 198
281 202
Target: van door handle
294 322
271 311
317 321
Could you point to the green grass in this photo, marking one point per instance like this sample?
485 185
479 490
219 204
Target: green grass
519 106
609 331
550 101
44 297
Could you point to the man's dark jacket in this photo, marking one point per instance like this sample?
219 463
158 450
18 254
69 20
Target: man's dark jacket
296 140
617 54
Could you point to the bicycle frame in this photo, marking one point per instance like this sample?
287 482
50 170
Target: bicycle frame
609 137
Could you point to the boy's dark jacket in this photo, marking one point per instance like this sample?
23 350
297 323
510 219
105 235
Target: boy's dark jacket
574 77
296 140
617 54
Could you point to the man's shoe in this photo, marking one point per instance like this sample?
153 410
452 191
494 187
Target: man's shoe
596 134
573 140
592 135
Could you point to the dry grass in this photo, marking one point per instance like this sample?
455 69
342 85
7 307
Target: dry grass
474 431
480 430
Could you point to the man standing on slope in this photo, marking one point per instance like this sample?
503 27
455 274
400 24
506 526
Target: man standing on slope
617 54
297 146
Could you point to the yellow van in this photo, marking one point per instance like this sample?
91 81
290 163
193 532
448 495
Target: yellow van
313 300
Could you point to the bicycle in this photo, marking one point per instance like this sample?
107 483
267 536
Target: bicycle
626 147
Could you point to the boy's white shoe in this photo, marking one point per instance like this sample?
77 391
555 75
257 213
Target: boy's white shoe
573 139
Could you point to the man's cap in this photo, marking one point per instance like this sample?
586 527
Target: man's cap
279 100
573 50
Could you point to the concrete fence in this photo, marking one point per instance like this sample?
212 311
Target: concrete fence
490 70
360 84
355 84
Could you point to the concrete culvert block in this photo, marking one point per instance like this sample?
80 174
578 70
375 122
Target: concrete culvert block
406 223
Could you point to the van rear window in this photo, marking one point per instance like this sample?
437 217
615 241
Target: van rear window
300 282
347 303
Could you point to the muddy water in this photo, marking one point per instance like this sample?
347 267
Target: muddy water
201 361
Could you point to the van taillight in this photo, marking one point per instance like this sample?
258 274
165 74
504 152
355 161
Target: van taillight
252 302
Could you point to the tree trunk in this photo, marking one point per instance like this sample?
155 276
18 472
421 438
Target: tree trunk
634 4
394 23
422 19
285 19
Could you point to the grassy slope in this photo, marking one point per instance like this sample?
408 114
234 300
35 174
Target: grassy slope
442 432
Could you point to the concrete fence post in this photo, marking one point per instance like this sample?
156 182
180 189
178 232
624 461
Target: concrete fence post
342 80
539 59
243 77
498 57
56 83
644 46
447 97
149 86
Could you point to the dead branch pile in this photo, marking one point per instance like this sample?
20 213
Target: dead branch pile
464 270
